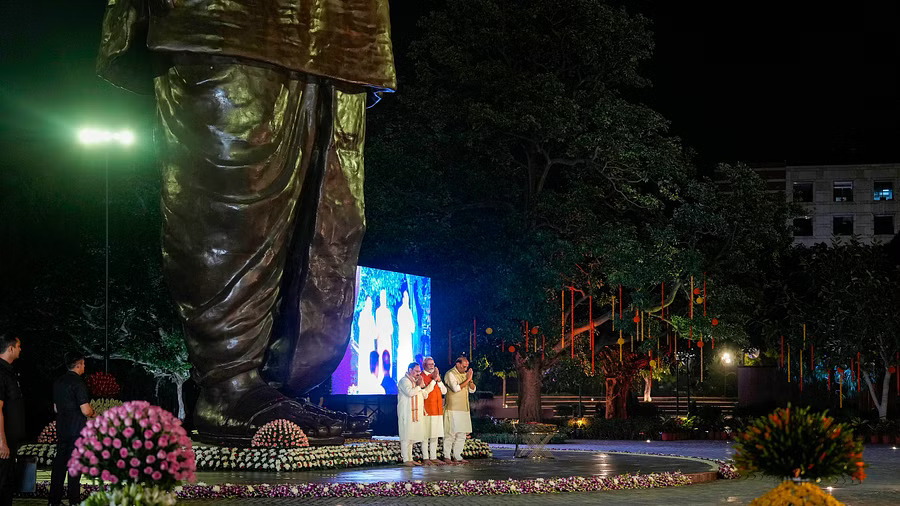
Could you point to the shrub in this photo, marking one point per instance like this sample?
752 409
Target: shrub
136 443
280 434
793 442
131 494
48 435
102 384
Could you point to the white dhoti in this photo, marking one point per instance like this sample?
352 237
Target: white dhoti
410 415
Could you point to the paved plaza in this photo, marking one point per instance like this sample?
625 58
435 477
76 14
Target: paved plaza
881 488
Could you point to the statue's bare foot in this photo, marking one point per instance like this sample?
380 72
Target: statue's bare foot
230 412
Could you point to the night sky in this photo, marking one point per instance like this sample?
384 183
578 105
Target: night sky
757 84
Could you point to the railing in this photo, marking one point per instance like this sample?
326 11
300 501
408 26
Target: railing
665 405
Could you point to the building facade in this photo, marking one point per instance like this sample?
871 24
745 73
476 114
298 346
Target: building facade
840 200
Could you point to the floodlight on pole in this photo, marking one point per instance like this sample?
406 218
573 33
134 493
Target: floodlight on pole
94 136
91 137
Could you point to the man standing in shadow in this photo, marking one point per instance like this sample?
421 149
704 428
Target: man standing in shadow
73 407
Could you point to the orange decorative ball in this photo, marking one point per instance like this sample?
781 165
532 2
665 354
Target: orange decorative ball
700 344
621 341
696 291
637 319
512 349
488 331
534 330
892 369
715 322
699 300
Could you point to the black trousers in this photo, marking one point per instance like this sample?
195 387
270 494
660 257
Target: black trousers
8 478
64 449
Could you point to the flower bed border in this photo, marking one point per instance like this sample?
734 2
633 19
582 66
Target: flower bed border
418 487
726 470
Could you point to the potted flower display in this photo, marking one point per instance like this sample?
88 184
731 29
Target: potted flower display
135 444
799 446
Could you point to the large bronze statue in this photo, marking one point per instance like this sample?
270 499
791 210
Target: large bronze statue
261 107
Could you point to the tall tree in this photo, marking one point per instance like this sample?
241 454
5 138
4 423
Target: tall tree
846 295
519 162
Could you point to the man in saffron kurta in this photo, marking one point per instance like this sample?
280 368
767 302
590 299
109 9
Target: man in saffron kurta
434 412
411 392
457 419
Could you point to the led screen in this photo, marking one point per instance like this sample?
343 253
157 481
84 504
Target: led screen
391 328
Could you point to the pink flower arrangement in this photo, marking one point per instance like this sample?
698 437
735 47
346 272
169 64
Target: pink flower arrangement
137 443
48 435
280 434
102 384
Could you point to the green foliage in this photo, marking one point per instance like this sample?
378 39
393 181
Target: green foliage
517 161
634 428
846 294
130 495
798 443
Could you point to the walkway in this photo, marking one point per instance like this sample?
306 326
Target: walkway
881 488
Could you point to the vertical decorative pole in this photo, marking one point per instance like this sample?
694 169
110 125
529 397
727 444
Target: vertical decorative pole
572 304
841 388
591 323
620 342
612 314
562 318
704 295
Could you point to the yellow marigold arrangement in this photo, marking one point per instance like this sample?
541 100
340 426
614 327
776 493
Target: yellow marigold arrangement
797 443
789 493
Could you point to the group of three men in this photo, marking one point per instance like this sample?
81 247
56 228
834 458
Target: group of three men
423 417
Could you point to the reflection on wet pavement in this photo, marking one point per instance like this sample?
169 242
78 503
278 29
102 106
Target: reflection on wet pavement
503 466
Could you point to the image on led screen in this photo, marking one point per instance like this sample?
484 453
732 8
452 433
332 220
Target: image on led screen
391 328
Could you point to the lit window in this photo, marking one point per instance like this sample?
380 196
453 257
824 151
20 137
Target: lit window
843 225
843 191
884 224
884 190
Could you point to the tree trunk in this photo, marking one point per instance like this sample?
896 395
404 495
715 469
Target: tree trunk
648 384
617 389
882 406
529 394
179 394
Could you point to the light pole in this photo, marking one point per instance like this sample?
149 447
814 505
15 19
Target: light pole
98 137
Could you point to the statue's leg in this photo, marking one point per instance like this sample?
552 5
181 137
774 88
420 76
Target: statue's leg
318 292
236 144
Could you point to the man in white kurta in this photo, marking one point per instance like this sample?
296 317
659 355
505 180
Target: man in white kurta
411 392
457 419
434 412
